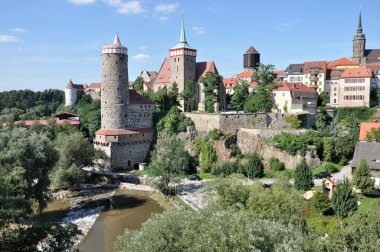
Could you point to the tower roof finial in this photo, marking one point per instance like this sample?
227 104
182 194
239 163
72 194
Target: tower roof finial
116 40
182 38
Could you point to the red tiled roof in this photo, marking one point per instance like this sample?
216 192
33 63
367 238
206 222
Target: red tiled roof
229 81
204 67
28 123
365 127
315 64
373 66
299 87
136 98
340 62
95 85
148 84
119 132
246 74
164 74
278 72
356 72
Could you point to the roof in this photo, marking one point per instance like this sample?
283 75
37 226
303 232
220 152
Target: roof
298 87
278 72
95 85
136 98
229 82
372 55
70 85
251 50
320 65
28 123
375 66
365 127
164 73
204 67
245 74
294 69
341 62
152 74
66 114
368 150
120 132
148 84
356 73
182 39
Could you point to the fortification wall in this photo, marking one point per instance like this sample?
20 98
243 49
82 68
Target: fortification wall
140 116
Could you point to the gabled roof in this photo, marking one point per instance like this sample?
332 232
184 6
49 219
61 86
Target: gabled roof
341 62
251 50
294 87
152 74
204 67
294 69
277 72
320 65
365 127
229 82
245 74
375 66
136 98
95 85
370 151
356 73
164 73
372 55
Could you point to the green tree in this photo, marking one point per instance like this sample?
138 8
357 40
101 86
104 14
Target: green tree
321 202
170 160
303 179
323 99
257 102
275 164
328 149
264 78
188 95
61 238
361 178
323 121
254 168
89 112
138 84
344 201
211 83
240 95
207 155
173 122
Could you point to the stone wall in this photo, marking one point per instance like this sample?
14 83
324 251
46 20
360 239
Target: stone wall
228 122
249 142
140 116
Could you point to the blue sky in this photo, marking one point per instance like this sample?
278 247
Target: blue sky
44 43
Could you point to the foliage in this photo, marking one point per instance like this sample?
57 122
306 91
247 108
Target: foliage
303 179
211 83
235 151
275 164
323 121
61 238
138 84
257 102
328 149
164 98
240 95
254 167
297 121
361 178
373 134
264 78
321 202
188 95
207 154
173 122
298 143
330 168
323 99
360 113
209 231
344 201
89 112
226 168
214 134
169 161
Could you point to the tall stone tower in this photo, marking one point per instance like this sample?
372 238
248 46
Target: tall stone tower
358 54
71 94
114 91
251 59
182 62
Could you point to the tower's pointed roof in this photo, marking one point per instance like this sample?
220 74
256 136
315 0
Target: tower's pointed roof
360 28
251 50
182 39
116 40
70 85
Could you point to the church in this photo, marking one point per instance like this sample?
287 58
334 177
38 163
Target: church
182 66
361 55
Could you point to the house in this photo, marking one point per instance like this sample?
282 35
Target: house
149 76
353 88
370 151
335 69
294 98
365 128
315 75
94 88
329 187
229 84
63 118
294 73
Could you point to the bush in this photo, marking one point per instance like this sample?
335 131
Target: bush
214 134
235 150
225 169
297 121
330 168
207 155
254 168
321 203
276 165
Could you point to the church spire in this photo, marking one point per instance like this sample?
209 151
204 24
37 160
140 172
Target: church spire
360 28
182 38
116 40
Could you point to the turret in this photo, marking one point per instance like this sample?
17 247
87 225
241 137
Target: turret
71 94
358 54
251 59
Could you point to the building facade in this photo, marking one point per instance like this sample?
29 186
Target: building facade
126 116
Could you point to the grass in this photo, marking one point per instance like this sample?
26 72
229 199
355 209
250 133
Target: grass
206 175
366 202
322 168
273 174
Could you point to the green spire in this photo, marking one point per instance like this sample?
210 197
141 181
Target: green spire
182 38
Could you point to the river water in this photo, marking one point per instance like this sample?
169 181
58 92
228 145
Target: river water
129 210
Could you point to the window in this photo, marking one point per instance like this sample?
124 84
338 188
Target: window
354 80
283 94
334 100
334 94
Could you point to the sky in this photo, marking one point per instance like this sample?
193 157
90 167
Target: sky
44 43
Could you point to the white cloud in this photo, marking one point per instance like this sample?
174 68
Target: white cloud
8 38
163 18
18 29
167 8
198 31
81 2
133 7
141 57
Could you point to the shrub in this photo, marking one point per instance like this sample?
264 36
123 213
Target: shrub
303 179
330 168
225 169
214 134
235 150
254 168
207 155
276 165
321 203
